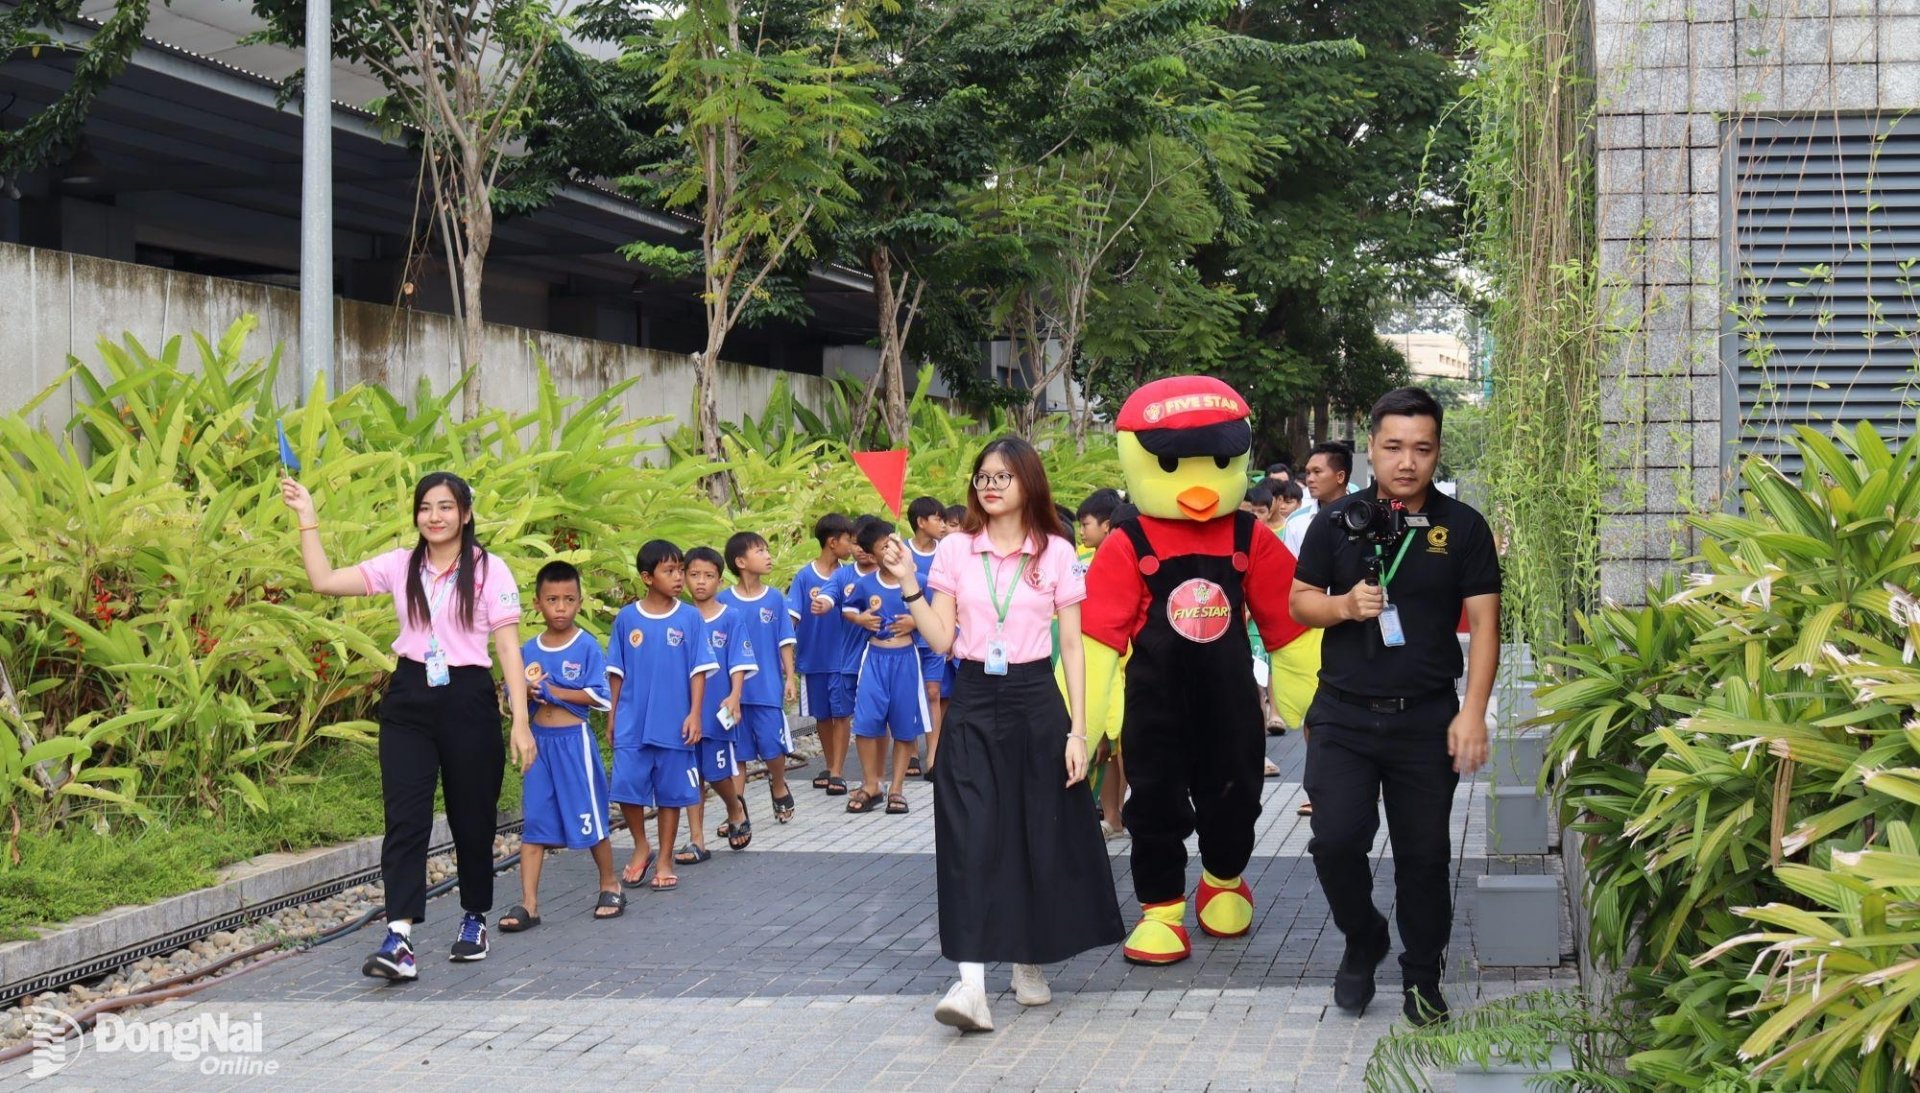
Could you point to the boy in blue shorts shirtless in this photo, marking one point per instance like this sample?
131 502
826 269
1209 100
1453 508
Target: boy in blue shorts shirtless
657 664
766 635
564 792
813 603
891 698
719 710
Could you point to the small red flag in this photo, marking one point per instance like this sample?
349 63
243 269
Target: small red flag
888 473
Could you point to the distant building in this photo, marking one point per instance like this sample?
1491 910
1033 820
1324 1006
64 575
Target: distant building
1434 356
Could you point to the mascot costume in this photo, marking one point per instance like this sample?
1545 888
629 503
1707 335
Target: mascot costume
1175 586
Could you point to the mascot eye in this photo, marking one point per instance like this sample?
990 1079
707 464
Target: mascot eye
1169 464
1221 461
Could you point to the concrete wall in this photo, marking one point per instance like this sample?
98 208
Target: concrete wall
54 305
1674 78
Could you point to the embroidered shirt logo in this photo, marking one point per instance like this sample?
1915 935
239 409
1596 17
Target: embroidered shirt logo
635 638
719 639
535 673
1436 540
766 616
1199 610
675 636
570 669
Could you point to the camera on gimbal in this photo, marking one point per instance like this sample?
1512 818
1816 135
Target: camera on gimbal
1374 522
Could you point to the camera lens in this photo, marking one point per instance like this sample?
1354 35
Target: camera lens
1357 516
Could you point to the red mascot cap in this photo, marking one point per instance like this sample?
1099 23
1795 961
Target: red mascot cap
1186 416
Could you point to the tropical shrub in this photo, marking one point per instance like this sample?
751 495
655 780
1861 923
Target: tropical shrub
1744 757
159 647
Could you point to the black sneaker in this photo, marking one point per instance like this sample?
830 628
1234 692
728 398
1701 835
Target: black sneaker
472 942
392 960
1353 983
1425 1005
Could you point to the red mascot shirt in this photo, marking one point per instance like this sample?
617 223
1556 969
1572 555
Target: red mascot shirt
1117 598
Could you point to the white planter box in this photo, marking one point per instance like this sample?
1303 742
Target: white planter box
1518 757
1517 821
1516 921
1498 1077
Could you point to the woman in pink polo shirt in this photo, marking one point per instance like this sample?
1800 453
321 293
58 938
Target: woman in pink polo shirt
440 719
1022 869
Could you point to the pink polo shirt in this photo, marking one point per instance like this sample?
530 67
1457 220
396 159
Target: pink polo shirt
496 603
1050 583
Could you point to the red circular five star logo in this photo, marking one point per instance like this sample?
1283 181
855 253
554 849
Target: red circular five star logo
1199 610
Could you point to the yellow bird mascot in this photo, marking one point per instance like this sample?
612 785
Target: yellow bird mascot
1176 587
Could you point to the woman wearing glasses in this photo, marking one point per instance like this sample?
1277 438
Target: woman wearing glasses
1022 869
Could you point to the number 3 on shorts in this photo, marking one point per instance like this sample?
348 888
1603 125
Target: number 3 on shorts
586 823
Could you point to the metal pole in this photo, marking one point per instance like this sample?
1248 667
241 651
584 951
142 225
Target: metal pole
316 204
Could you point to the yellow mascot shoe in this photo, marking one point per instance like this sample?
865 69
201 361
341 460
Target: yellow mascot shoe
1225 907
1161 937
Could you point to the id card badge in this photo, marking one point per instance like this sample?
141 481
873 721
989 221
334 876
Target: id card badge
1391 635
996 657
437 674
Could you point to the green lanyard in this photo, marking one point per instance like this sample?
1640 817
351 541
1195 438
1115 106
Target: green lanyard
993 590
1405 542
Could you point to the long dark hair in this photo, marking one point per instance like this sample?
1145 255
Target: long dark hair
472 554
1038 518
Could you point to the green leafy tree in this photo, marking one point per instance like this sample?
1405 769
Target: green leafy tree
771 121
28 27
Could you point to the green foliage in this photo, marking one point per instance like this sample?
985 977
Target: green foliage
55 129
1522 1031
1743 759
164 654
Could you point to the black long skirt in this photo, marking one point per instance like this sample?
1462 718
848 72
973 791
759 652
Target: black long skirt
1023 871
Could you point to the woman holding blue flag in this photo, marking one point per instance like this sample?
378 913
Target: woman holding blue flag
440 718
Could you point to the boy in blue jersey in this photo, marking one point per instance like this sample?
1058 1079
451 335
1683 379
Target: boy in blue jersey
564 791
891 699
813 603
766 634
720 711
929 522
657 664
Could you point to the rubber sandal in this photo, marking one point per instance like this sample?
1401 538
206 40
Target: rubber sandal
836 786
641 878
862 801
913 767
822 780
1276 727
894 799
741 837
725 830
690 855
782 806
1305 809
517 919
1272 770
664 884
615 900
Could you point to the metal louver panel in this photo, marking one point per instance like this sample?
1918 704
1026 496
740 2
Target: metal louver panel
1824 264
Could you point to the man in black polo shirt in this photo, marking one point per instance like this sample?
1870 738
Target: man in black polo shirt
1386 722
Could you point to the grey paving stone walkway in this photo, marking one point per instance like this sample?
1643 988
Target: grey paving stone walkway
811 961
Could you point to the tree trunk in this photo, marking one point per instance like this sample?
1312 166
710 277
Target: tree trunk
476 224
890 378
707 412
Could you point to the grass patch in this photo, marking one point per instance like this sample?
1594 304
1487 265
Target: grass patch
333 797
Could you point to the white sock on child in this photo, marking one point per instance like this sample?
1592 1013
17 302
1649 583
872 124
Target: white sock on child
402 927
973 975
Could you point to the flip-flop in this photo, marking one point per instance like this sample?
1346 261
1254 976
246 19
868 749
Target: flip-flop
690 855
642 878
517 919
782 806
741 836
615 900
664 884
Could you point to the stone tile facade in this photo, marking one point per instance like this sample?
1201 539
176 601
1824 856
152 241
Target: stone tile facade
1674 79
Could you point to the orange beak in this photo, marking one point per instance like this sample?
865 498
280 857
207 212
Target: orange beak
1198 502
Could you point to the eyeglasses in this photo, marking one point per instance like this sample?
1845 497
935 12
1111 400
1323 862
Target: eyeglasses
999 481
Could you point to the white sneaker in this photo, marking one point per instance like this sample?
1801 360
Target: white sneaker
1029 986
965 1008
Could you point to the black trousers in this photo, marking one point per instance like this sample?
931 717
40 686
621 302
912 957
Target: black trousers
450 737
1355 758
1191 766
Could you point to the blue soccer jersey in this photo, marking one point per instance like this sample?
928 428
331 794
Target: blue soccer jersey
763 627
853 636
875 595
922 565
819 638
656 657
724 642
579 664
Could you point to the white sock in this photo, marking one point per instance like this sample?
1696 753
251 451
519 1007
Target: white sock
973 975
402 927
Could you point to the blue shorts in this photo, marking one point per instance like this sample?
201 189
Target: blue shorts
825 695
892 696
563 795
718 760
652 775
947 676
933 667
763 733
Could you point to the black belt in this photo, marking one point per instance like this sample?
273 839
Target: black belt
1382 703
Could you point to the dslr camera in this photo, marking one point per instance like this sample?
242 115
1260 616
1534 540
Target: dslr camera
1374 522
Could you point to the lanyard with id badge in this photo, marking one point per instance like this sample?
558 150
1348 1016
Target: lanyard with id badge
1392 635
437 673
997 646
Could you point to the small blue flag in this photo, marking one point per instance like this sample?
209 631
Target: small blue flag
287 459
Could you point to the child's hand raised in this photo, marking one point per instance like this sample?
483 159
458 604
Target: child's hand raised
295 496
